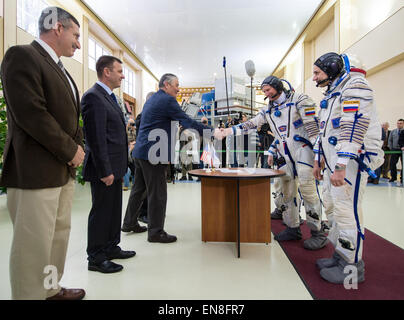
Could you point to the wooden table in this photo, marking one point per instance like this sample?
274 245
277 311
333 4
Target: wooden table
236 204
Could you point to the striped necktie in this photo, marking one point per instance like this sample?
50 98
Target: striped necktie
61 66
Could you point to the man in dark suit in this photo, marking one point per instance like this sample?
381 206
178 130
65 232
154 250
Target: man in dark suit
42 152
385 147
153 151
105 164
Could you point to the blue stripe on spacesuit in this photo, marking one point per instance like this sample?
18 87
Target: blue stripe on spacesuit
287 152
318 192
355 205
346 155
306 164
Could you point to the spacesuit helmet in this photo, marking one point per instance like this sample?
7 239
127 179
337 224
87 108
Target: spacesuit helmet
274 82
332 64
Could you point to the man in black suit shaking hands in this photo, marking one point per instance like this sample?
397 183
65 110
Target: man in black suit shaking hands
105 164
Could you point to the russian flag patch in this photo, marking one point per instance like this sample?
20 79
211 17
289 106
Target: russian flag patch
351 106
310 112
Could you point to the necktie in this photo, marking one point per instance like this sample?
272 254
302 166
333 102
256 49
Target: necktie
61 66
114 98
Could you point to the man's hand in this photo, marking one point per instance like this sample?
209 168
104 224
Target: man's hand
108 180
78 158
317 171
338 178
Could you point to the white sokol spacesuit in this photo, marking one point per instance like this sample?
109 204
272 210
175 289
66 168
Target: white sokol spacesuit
292 120
350 134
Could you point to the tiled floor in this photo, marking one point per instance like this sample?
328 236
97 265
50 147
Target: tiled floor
189 268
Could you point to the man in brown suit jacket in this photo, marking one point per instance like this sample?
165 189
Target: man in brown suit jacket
42 152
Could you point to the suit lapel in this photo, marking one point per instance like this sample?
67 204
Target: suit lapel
111 101
52 63
76 91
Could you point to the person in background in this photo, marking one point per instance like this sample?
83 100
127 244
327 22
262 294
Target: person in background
394 146
378 171
401 144
266 138
204 121
232 142
385 147
43 149
105 164
131 132
186 138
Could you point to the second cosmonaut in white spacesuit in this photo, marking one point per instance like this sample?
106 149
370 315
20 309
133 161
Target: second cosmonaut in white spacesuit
349 144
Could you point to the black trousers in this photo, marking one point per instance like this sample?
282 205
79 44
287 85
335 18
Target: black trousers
150 184
104 221
393 164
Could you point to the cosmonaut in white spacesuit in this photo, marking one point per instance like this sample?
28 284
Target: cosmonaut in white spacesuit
349 144
291 117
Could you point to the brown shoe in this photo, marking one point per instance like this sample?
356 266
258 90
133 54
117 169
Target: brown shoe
69 294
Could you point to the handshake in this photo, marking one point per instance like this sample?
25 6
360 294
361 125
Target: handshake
222 133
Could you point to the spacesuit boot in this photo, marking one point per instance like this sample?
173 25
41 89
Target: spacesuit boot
277 214
317 241
328 262
289 234
340 272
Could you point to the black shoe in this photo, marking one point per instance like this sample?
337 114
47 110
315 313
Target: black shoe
162 237
136 228
190 178
392 180
105 267
122 255
183 178
143 219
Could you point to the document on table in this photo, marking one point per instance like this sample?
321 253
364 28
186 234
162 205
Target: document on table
229 171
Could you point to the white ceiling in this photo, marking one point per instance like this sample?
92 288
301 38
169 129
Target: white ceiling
190 37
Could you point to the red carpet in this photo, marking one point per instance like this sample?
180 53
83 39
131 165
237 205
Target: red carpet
384 268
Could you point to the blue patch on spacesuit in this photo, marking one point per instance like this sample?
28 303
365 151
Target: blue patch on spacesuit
322 125
336 123
298 123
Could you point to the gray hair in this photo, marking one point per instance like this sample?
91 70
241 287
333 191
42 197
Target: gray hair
168 77
52 15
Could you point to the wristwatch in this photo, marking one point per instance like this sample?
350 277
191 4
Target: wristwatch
339 167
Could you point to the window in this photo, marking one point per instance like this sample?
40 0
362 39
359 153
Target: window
129 82
28 13
95 51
